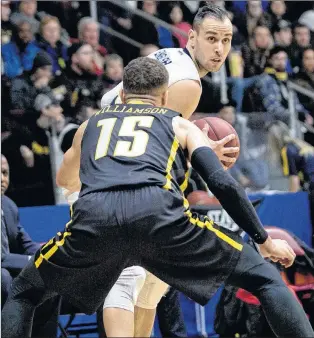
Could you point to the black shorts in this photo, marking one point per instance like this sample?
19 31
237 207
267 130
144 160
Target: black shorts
150 227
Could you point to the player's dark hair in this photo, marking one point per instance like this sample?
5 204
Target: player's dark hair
210 10
144 75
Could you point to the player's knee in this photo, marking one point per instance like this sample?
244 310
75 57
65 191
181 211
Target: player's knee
125 292
152 292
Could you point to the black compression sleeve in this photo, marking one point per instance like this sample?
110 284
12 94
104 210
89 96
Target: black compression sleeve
229 193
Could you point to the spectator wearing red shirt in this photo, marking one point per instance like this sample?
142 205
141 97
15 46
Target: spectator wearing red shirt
176 16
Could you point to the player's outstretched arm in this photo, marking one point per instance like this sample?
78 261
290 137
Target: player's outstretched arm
68 174
229 193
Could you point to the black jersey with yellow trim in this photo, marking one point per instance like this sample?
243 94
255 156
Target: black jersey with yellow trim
126 146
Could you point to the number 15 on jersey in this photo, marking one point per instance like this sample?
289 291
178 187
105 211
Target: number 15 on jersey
134 148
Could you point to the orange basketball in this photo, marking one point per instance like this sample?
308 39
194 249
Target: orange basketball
200 197
218 129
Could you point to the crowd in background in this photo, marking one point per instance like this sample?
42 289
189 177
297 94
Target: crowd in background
57 63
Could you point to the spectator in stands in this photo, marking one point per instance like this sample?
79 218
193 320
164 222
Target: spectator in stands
6 25
277 10
88 32
250 170
307 18
305 78
16 245
148 49
79 78
176 16
302 40
274 92
17 248
18 55
254 16
27 12
113 71
85 109
256 51
49 41
26 87
297 160
283 33
143 30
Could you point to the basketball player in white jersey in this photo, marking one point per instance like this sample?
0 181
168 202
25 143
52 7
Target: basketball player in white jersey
209 43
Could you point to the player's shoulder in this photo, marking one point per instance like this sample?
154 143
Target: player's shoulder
171 56
179 64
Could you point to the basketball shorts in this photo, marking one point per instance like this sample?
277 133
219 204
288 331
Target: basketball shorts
149 227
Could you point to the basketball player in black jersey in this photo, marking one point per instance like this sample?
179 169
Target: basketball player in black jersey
131 211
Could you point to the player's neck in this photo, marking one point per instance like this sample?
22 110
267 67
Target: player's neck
141 99
201 71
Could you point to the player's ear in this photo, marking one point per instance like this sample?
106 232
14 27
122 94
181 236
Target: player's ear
122 96
164 98
192 37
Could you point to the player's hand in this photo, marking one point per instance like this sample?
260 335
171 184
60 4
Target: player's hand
278 250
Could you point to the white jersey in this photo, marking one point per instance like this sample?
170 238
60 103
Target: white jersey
178 63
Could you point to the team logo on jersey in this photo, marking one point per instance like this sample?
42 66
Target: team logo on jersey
163 57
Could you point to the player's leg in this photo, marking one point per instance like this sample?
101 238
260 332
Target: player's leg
28 291
284 314
196 256
145 311
119 304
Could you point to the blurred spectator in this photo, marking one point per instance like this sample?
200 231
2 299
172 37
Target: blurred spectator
119 19
143 30
49 41
18 55
302 39
6 26
255 53
283 33
79 78
68 12
249 170
307 19
84 111
27 12
176 16
113 71
305 78
296 158
277 10
254 16
273 91
26 87
88 32
148 49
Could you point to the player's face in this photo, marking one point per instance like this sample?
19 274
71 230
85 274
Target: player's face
211 43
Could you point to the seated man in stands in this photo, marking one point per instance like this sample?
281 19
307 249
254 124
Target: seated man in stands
273 92
16 245
17 248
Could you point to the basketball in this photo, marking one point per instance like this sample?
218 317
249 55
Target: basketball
200 197
218 129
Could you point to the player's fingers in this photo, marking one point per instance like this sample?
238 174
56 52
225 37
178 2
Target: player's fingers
227 159
230 150
205 129
227 139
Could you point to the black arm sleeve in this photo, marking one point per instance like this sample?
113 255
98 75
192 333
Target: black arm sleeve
229 193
